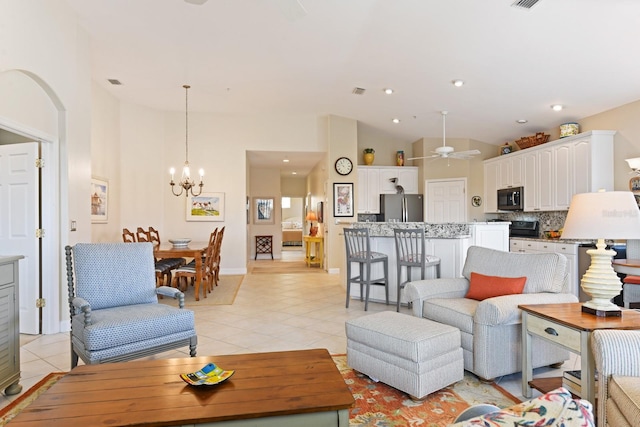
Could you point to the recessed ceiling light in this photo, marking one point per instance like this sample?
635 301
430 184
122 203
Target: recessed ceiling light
457 83
396 121
285 161
294 173
388 91
557 107
522 121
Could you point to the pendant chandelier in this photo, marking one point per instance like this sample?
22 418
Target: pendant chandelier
186 183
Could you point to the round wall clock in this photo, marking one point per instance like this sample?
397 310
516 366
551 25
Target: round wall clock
344 166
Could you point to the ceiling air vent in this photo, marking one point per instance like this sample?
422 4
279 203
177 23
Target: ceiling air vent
115 82
525 4
358 91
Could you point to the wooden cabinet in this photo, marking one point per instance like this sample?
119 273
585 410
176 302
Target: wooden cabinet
376 180
553 172
368 190
9 326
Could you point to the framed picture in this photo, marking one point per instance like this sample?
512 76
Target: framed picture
263 210
205 207
342 199
634 184
320 212
99 200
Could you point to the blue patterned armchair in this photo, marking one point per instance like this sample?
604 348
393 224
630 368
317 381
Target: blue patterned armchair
115 314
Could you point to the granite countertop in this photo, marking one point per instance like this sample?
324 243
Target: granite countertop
568 241
433 231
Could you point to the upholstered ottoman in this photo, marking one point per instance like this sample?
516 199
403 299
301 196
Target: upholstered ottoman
414 355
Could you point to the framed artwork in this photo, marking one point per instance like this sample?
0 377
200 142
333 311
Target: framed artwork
342 199
263 210
99 200
205 207
634 184
320 212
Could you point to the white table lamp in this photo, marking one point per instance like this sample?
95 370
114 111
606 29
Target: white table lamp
602 215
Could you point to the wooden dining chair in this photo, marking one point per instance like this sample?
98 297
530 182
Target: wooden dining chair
186 275
128 236
163 269
215 262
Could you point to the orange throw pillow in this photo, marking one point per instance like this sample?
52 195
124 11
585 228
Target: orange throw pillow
482 287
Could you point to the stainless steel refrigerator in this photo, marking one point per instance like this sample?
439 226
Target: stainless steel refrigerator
401 208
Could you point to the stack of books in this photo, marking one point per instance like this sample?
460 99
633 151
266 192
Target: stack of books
571 381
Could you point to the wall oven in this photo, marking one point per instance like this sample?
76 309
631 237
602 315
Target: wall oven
511 199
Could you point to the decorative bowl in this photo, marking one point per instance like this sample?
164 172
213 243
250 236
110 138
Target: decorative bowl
179 243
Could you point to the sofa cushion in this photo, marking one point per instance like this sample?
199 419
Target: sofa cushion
482 287
457 312
625 391
545 272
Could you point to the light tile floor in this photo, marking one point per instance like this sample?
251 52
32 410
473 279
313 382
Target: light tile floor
272 312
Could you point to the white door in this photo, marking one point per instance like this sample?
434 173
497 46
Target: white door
19 220
446 200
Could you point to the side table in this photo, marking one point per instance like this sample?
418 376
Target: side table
567 326
318 254
264 245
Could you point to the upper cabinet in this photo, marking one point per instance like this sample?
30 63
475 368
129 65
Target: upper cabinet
552 173
376 180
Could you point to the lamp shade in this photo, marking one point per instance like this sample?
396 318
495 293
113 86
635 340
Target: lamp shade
603 215
634 163
311 216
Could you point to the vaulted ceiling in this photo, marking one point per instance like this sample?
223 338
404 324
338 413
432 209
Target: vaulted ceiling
307 56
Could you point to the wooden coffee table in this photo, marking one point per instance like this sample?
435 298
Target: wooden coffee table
291 388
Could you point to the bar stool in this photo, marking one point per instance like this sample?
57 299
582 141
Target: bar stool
410 253
631 284
358 247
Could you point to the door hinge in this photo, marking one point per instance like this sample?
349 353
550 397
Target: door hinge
40 233
40 163
40 303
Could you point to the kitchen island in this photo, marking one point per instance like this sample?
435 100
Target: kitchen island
448 241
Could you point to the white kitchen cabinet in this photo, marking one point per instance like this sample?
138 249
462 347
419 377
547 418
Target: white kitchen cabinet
553 173
406 176
368 190
9 326
493 235
569 250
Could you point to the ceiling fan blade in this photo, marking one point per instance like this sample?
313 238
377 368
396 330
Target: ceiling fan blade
423 157
469 152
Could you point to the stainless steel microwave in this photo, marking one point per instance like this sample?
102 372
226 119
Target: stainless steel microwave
511 199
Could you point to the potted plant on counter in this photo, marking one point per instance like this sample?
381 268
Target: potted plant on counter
369 155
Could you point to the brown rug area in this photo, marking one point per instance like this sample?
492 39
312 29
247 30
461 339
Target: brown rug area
376 403
223 294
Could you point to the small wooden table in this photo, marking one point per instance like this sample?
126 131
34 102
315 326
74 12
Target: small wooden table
194 250
318 253
566 325
289 388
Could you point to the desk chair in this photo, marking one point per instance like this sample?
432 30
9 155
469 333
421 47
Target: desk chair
358 247
410 253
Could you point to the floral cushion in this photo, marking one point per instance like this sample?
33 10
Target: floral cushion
556 408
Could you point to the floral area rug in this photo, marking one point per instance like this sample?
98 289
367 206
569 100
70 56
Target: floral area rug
378 405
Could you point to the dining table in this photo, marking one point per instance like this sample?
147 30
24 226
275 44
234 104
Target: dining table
195 250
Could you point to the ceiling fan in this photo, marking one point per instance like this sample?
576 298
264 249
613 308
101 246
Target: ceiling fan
448 152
